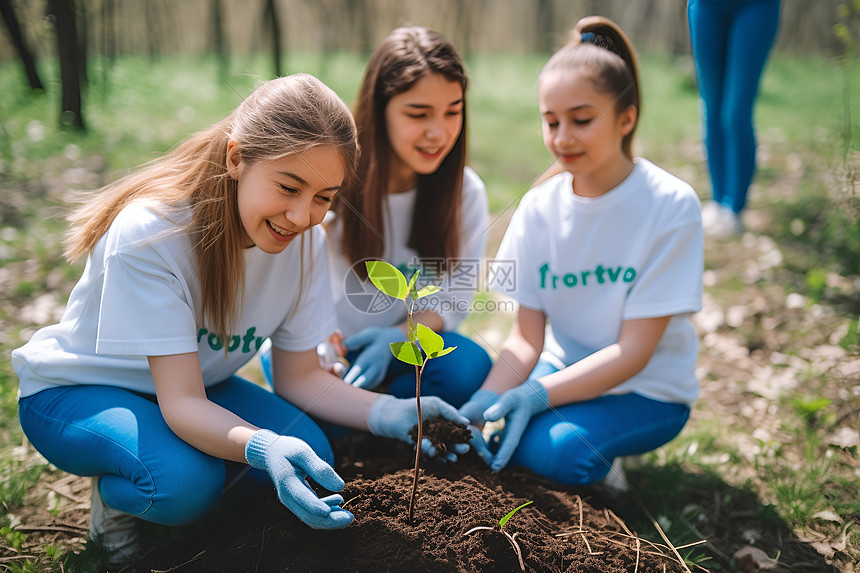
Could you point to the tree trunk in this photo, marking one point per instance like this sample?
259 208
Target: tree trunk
70 73
20 45
153 36
219 41
273 25
83 40
546 41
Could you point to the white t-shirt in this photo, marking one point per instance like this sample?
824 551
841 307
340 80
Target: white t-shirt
359 304
139 296
590 264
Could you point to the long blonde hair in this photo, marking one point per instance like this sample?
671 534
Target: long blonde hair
282 117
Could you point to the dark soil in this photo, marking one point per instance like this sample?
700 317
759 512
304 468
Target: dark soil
564 529
560 531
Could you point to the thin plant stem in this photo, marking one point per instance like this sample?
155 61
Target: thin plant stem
418 440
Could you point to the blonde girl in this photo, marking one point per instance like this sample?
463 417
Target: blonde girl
191 263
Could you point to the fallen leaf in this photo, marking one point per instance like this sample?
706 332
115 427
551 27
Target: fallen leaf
751 559
844 437
828 515
824 549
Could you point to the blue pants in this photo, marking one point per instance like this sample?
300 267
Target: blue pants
731 41
453 377
146 470
575 444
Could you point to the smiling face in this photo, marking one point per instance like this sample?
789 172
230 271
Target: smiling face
423 124
582 129
280 198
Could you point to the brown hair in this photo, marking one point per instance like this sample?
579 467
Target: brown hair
401 59
598 46
282 117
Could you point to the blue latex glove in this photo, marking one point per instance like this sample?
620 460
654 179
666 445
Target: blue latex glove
392 417
459 449
474 408
289 461
368 369
480 445
517 406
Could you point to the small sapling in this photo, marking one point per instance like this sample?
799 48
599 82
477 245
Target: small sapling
500 526
422 344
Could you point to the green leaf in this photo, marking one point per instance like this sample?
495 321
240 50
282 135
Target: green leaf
431 343
505 519
387 279
411 288
407 352
444 352
429 289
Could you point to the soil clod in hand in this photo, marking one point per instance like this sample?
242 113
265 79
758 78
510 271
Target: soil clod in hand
444 434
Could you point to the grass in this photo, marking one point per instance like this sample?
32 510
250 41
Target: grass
774 460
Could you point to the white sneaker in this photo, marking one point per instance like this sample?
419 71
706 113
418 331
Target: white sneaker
113 530
710 213
726 223
616 480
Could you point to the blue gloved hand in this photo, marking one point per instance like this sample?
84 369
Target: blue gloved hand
459 449
289 461
477 404
392 417
517 406
368 369
480 445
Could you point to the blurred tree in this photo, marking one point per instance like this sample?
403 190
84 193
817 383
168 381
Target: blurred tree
219 40
545 27
108 40
847 31
466 14
360 13
66 25
81 32
272 27
20 44
153 31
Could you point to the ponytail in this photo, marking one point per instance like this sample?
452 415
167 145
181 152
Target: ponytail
599 46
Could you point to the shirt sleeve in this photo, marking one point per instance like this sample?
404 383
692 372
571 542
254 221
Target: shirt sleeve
145 307
670 283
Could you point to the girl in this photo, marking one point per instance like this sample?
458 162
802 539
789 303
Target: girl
191 263
416 204
610 251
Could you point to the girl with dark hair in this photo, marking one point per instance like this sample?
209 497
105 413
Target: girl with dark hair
415 204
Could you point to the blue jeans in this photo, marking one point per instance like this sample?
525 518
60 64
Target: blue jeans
731 40
453 377
146 470
575 444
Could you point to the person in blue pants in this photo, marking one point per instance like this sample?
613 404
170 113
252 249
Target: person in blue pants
731 41
192 262
417 205
600 362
